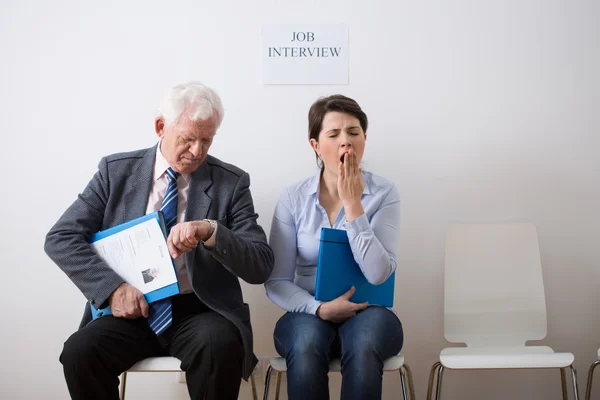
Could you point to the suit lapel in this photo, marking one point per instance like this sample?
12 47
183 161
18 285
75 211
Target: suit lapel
137 193
198 204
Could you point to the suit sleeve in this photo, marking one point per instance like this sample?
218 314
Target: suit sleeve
242 247
67 242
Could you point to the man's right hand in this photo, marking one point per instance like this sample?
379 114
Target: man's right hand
340 309
128 302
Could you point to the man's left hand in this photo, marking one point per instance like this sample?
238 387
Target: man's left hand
185 236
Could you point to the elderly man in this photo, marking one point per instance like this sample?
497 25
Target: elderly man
214 239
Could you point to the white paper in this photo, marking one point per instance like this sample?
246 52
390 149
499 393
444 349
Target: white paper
305 54
139 255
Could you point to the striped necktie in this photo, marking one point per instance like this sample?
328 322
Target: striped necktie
161 312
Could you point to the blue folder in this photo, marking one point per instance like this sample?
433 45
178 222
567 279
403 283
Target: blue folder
337 272
151 297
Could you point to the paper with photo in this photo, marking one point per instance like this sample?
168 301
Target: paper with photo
139 254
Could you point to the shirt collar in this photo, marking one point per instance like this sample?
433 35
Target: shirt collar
161 164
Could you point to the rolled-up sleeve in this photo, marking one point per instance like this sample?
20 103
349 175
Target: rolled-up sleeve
374 243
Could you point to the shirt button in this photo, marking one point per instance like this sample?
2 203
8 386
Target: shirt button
223 251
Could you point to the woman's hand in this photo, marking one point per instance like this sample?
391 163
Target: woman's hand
340 309
350 186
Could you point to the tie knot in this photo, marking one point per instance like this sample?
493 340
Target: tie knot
173 175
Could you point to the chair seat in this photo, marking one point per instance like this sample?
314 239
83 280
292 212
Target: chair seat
504 357
391 364
157 364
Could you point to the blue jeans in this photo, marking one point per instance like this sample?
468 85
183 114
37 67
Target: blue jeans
362 342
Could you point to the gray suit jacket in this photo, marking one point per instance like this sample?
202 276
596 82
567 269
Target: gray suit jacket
119 192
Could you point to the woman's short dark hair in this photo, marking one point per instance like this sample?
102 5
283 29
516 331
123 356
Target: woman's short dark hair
336 102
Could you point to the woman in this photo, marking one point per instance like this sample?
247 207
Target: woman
339 196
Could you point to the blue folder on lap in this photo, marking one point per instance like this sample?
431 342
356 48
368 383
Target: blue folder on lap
337 272
152 296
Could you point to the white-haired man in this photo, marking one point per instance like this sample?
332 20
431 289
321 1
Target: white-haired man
214 238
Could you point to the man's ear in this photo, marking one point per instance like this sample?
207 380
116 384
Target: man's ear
159 126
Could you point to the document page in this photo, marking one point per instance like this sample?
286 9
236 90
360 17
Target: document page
139 254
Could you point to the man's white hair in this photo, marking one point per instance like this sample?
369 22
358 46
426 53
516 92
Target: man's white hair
198 100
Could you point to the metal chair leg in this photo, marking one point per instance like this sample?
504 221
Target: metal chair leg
438 392
267 383
403 383
278 384
123 383
411 386
253 383
574 377
432 374
588 390
563 383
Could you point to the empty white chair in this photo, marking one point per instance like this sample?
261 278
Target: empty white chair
588 391
163 364
494 302
396 363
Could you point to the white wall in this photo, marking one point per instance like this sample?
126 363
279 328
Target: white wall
480 111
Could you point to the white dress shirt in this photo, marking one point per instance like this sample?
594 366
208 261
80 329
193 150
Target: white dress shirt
160 181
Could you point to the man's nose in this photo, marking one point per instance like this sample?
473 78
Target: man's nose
196 148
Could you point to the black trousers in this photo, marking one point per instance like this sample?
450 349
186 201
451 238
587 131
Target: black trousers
208 345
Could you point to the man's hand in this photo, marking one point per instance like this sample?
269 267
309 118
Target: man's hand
340 309
186 236
128 302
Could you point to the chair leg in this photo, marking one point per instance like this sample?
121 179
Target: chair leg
278 384
588 390
123 383
411 386
253 383
563 383
438 392
432 374
267 383
403 383
574 377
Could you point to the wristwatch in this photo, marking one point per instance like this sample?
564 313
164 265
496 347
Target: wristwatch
213 226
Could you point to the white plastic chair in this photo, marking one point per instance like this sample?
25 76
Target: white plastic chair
395 363
588 391
163 364
494 303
